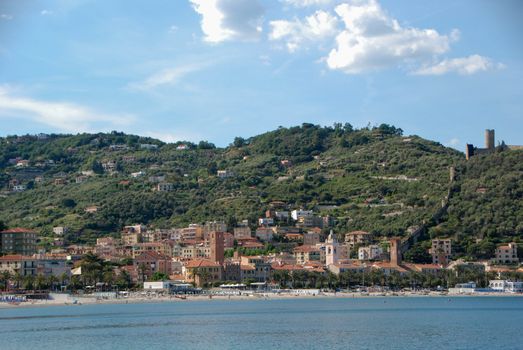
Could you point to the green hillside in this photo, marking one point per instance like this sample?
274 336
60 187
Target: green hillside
373 179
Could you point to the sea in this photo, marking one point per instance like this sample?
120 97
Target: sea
315 323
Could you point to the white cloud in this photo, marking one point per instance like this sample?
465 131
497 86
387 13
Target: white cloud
305 3
454 142
6 17
46 12
318 26
63 116
224 20
372 40
168 76
173 29
463 65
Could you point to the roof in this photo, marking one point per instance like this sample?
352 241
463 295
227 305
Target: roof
192 264
18 230
306 249
13 257
152 255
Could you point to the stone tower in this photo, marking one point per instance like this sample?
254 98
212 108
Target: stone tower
395 252
489 139
217 243
331 250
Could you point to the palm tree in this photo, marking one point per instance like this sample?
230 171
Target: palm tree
40 282
5 276
52 281
18 278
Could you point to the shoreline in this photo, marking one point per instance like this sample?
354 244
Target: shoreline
79 301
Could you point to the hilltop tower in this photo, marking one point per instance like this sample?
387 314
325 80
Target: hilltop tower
490 139
217 250
395 252
331 250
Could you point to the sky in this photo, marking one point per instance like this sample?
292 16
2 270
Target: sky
211 70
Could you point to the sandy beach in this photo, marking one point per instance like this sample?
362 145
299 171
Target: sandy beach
67 300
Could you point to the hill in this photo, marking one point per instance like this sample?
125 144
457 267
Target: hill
373 179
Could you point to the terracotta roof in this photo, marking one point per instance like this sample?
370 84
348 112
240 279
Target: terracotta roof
152 255
18 230
201 263
306 249
13 257
247 267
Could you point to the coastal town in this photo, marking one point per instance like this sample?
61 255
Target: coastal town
289 250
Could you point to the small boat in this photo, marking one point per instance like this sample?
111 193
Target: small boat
183 297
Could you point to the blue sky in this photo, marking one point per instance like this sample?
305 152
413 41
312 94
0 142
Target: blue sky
215 69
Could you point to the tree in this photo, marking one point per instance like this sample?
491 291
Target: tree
123 281
97 167
68 203
418 255
206 145
159 276
239 142
5 276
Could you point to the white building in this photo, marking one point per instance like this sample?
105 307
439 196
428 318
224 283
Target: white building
59 230
331 250
160 285
265 221
165 187
223 174
504 286
299 213
372 252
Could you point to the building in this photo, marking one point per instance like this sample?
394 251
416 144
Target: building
504 286
306 253
264 234
265 221
202 272
60 230
254 268
507 254
211 226
223 174
357 237
372 252
163 248
331 250
281 215
148 263
18 241
165 187
490 146
217 250
300 213
395 251
242 232
311 238
441 251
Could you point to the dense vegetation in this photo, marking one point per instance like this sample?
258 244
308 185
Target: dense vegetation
372 179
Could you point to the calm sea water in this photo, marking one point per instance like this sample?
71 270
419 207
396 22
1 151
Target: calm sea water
373 323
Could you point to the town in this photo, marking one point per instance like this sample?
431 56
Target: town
289 250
